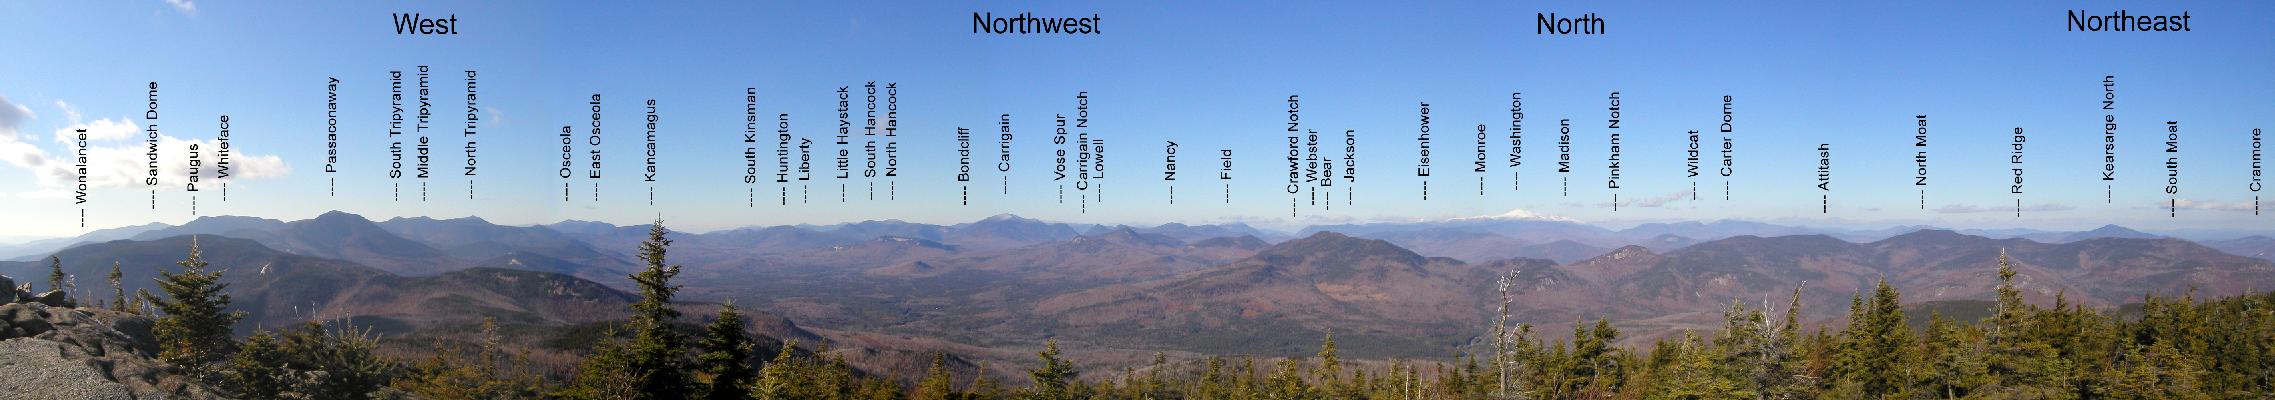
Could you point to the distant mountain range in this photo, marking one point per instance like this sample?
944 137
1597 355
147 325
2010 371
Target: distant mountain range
1476 246
278 288
1691 285
1383 299
42 247
549 311
455 242
2255 246
1403 301
1396 289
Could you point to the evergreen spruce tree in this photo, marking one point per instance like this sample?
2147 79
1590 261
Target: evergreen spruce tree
778 380
1361 384
1663 352
650 365
837 376
655 353
1213 382
118 289
1474 381
194 329
2060 332
1820 354
2019 364
876 389
2094 345
1287 380
1594 366
1556 369
1692 373
1758 354
1129 387
2156 371
1847 347
937 383
1885 341
1955 368
603 374
257 369
1155 387
983 387
1054 379
487 371
1387 386
726 356
1245 382
1453 380
1742 345
55 275
2007 320
1330 374
1524 364
306 362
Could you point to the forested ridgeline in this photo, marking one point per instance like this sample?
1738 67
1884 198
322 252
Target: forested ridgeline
2171 348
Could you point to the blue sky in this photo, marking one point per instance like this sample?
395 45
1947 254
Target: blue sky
1208 76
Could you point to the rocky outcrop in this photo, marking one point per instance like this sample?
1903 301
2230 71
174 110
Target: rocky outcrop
52 352
8 290
39 369
55 298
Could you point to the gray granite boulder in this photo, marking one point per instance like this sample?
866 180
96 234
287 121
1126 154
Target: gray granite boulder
55 298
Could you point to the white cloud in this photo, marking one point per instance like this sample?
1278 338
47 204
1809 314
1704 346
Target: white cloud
1654 201
12 117
126 164
1970 208
185 6
12 150
2187 204
1522 214
102 130
1960 209
117 158
69 112
21 155
2050 207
